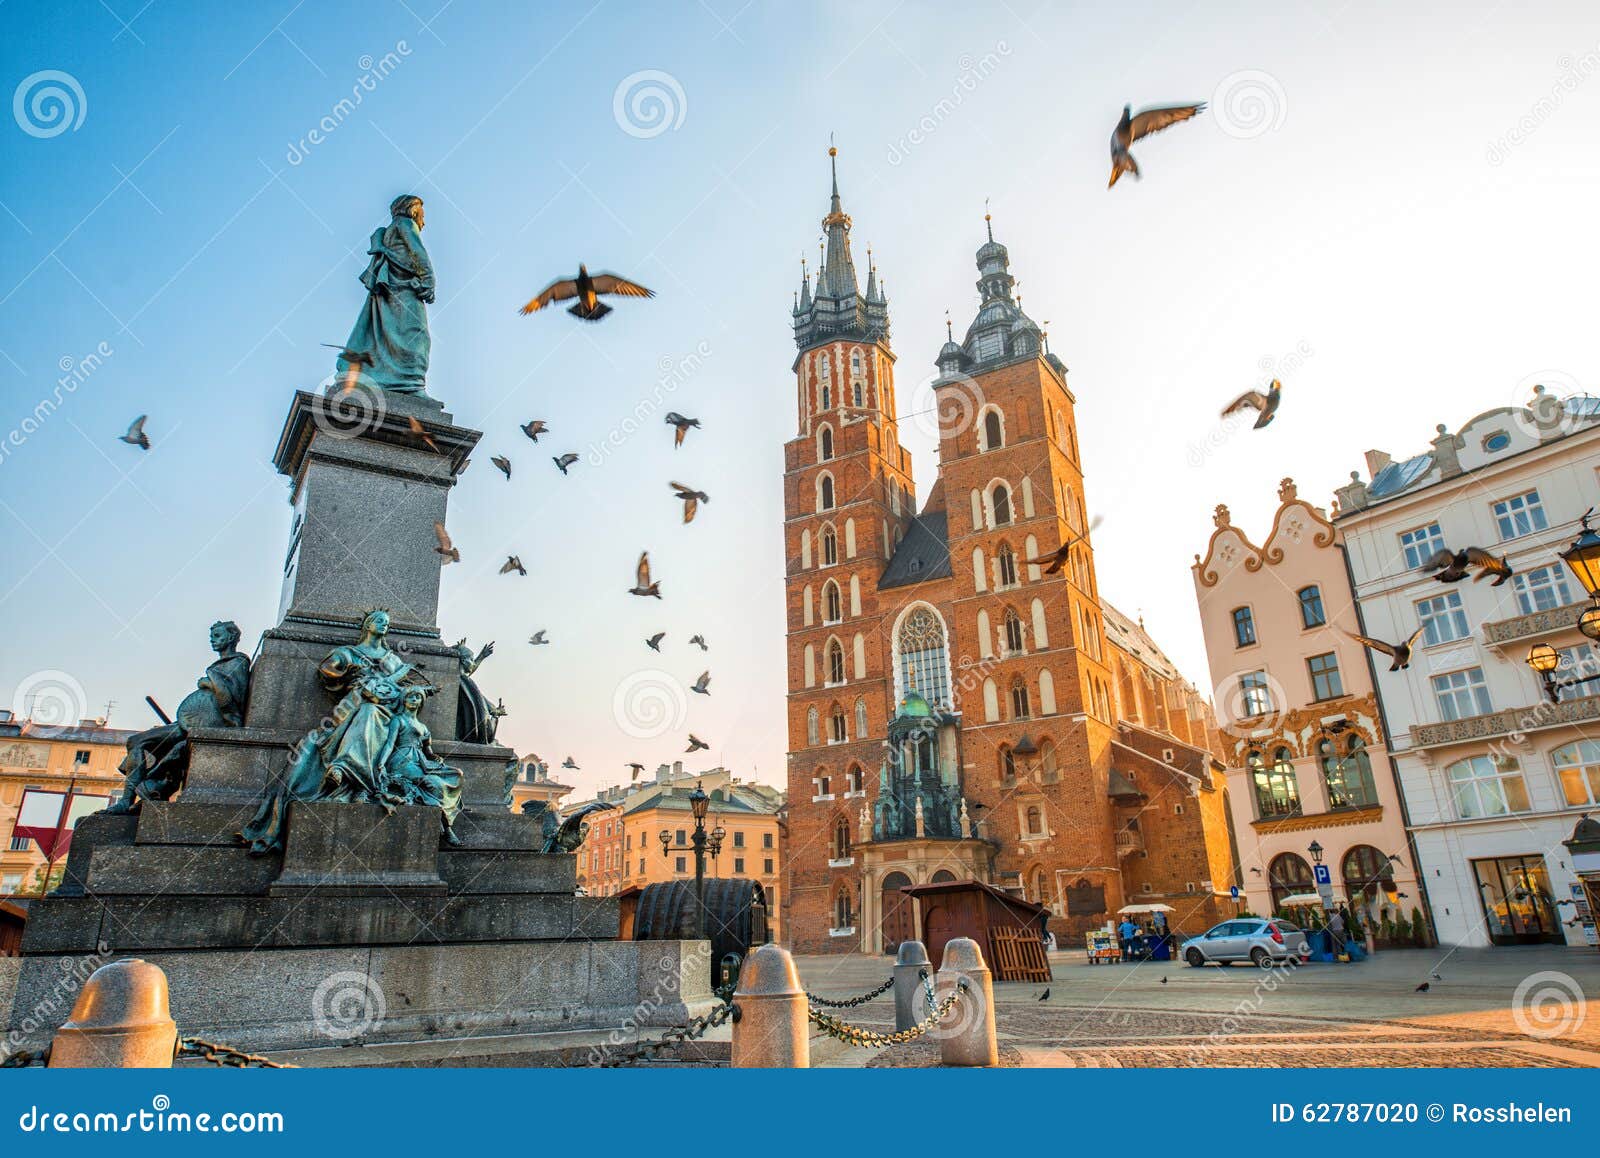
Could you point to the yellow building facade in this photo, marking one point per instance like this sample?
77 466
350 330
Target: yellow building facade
83 756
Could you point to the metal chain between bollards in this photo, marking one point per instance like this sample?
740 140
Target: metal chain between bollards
227 1055
851 1002
867 1038
927 988
678 1034
25 1057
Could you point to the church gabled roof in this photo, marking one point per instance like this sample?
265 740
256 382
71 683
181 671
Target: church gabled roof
923 554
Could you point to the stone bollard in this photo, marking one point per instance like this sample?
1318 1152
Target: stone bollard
966 1035
910 1004
120 1020
770 1030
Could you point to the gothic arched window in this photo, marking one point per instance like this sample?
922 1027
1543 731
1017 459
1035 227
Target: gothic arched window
813 727
994 435
825 493
832 605
1013 630
860 397
1002 505
861 719
923 665
836 725
830 547
1005 559
1021 709
826 441
1008 766
835 662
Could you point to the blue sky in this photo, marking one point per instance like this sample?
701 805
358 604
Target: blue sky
1404 221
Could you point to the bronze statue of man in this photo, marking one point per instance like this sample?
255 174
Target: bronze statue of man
158 758
389 345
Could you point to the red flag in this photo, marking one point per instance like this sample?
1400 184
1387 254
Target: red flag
45 817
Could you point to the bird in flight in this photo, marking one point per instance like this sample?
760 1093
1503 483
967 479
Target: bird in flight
636 768
445 547
1400 653
699 641
136 435
1057 558
703 684
691 499
1454 566
564 461
642 584
1131 128
1423 988
538 637
502 462
696 744
569 762
587 288
682 424
654 642
534 427
513 563
421 432
1265 405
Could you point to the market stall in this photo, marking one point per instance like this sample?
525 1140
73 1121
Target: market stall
1153 942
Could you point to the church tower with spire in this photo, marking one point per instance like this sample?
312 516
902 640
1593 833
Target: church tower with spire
848 496
955 712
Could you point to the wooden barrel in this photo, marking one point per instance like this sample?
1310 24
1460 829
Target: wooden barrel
736 916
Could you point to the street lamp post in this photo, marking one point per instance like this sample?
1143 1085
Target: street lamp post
1582 558
703 842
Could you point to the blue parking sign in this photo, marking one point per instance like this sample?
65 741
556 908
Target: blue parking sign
1323 875
1234 891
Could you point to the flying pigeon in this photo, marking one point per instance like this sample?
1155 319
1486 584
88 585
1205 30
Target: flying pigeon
699 641
136 435
1045 996
502 462
513 563
654 642
1400 653
569 762
418 430
1453 566
1266 405
637 769
696 744
445 547
564 833
1132 128
538 637
642 584
534 427
691 499
565 461
586 289
1423 988
1057 558
703 684
683 424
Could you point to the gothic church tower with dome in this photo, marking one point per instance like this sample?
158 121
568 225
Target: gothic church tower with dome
954 712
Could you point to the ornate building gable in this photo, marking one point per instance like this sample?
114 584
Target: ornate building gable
1227 548
1295 523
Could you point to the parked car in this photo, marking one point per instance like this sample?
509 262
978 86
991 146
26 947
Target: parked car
1258 940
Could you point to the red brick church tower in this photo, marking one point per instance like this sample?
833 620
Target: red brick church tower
955 712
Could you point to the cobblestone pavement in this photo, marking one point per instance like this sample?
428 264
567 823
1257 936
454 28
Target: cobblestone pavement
1367 1014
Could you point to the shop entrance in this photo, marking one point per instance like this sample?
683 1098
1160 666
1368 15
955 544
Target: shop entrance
1517 901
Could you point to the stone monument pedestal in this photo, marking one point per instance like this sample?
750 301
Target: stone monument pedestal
366 928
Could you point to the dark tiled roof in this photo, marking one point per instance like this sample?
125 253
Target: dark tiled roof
89 733
1120 785
923 554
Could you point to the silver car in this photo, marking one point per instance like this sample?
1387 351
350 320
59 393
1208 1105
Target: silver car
1262 941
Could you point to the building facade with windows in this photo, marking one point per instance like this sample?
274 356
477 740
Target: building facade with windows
624 849
955 711
53 757
1299 718
1495 775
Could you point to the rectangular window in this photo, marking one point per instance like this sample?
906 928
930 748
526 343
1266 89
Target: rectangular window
20 844
682 837
1487 786
680 864
766 840
1420 544
1257 697
1244 627
766 866
1542 589
1311 612
1520 515
1461 694
1325 682
81 756
738 840
1442 618
738 866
